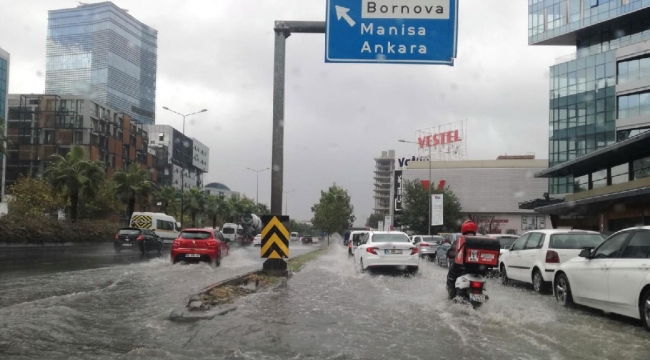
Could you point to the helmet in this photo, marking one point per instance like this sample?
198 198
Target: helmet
468 226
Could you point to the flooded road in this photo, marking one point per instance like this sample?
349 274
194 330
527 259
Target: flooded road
327 311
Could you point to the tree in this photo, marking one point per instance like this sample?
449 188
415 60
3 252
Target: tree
102 204
415 205
195 202
3 138
300 228
213 208
167 196
334 213
373 220
133 186
32 197
75 176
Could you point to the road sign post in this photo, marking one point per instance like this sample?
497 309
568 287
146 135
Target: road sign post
391 31
275 244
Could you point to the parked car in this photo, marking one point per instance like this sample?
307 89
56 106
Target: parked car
613 277
534 257
137 239
306 239
387 249
257 240
200 245
427 244
506 241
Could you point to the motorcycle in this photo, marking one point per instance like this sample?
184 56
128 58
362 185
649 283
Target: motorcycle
470 288
477 255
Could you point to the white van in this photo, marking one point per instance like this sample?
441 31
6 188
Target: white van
229 231
162 224
295 236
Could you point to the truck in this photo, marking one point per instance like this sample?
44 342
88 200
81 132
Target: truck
251 225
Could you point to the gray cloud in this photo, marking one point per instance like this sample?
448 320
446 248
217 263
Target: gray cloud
219 55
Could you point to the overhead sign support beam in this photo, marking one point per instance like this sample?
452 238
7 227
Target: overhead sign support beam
283 30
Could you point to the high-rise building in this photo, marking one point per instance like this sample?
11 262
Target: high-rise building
384 167
180 161
599 144
598 95
102 52
4 86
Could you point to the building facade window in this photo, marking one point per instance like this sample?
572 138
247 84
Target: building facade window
581 184
641 168
599 179
620 174
633 70
634 105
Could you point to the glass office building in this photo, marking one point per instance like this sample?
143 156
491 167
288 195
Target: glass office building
4 86
101 51
599 95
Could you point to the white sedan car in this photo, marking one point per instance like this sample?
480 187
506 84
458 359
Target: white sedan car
257 240
387 249
534 257
614 277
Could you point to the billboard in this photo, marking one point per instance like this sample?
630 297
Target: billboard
397 190
444 142
437 209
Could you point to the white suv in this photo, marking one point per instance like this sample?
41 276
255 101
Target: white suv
535 256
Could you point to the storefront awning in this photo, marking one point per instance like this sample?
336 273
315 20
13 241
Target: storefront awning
596 204
631 149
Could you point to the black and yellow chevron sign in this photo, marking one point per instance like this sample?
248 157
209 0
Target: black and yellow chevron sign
275 237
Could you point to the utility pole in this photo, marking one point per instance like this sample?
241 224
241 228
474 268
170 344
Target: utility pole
183 162
257 188
430 185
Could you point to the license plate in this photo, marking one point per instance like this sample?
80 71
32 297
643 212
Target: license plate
392 251
127 244
193 255
487 256
477 297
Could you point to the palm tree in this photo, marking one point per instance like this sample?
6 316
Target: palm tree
133 185
166 196
212 209
195 202
76 176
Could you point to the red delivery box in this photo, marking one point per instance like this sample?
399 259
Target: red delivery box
477 251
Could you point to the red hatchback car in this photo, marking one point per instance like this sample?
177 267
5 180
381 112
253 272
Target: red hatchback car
200 245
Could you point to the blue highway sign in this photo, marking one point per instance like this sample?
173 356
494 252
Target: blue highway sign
391 31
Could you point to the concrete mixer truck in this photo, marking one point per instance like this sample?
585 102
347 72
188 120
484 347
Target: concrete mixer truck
251 225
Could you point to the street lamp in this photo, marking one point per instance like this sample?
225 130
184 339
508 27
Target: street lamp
183 162
257 187
286 202
413 142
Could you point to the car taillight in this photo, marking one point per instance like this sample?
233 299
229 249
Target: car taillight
424 244
371 250
414 251
140 238
177 243
211 243
476 284
552 257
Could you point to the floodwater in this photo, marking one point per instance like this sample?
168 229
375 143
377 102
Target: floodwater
326 311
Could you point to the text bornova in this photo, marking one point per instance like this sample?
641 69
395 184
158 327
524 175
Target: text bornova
391 47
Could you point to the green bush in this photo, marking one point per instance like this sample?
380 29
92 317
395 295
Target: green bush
31 230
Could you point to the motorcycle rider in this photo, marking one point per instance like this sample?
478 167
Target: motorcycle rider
468 228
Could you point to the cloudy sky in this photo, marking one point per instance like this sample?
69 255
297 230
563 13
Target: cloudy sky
219 55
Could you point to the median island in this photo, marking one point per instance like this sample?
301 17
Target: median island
217 299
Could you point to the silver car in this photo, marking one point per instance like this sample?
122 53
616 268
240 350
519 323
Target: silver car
427 244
